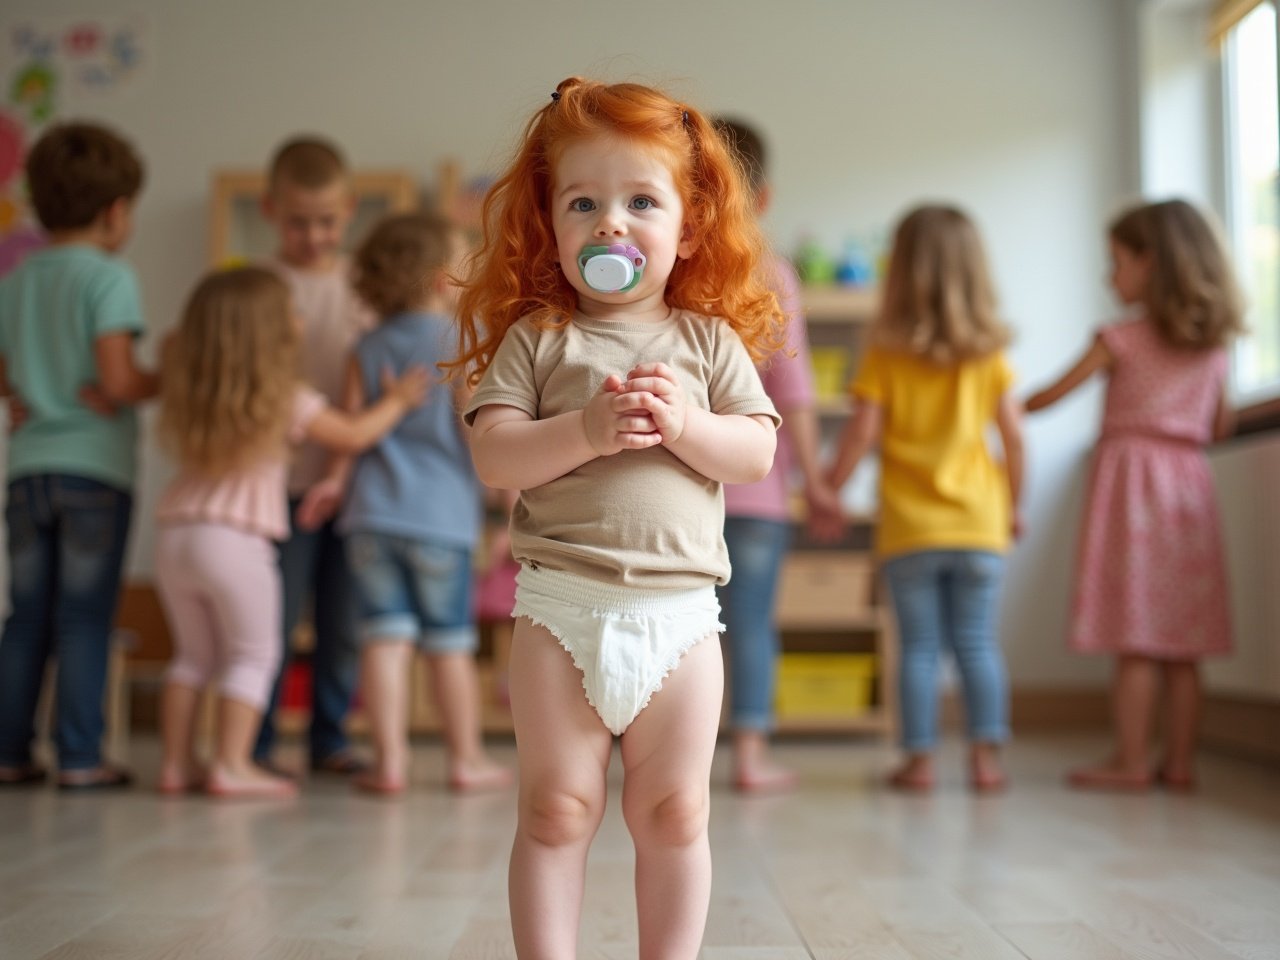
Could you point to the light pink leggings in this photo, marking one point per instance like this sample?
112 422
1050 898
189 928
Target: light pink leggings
221 590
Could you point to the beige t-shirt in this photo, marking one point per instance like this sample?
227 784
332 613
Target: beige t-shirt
333 317
639 518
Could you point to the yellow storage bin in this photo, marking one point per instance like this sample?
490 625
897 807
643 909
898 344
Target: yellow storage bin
824 685
829 366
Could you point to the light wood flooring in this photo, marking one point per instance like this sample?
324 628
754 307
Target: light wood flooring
838 870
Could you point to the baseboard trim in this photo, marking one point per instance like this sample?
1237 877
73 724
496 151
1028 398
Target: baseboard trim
1238 726
1044 710
1242 726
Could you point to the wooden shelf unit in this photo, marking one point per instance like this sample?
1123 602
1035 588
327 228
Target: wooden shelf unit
239 233
829 596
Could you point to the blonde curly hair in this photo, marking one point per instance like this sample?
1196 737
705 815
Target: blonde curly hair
229 373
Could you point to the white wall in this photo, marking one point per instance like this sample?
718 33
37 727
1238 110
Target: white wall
1017 109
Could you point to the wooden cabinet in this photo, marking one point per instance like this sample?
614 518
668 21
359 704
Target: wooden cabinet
837 632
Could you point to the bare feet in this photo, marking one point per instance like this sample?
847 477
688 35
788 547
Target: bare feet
1110 776
764 778
479 775
985 772
380 784
178 779
1175 779
248 783
914 776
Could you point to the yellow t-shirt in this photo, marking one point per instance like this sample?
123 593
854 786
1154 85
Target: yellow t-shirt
940 487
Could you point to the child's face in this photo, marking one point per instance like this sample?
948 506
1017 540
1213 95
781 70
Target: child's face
310 222
1130 273
608 191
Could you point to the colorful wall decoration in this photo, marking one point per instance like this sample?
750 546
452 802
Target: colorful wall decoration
42 62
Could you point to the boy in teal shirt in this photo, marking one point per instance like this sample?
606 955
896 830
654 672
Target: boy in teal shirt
69 315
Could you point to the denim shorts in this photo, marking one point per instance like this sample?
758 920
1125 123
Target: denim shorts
413 590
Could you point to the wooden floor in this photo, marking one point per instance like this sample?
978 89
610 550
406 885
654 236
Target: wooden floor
836 871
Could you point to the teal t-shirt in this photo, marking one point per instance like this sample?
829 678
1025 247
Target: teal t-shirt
53 308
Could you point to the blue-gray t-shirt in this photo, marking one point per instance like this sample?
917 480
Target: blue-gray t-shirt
418 482
53 308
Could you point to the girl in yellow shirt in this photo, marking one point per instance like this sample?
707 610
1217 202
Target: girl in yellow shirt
933 379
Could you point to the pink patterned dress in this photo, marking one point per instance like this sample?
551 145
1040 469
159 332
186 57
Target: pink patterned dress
1151 579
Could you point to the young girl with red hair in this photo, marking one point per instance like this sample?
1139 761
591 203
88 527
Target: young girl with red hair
610 325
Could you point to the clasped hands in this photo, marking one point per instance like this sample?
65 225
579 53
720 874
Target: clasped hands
644 409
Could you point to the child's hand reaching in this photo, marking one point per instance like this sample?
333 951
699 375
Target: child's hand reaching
652 388
319 503
410 387
614 422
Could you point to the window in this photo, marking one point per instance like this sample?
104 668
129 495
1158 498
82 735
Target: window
1253 193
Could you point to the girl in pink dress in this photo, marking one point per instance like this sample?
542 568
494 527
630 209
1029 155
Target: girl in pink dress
1151 579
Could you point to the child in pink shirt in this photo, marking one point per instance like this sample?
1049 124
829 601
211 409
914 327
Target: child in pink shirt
230 408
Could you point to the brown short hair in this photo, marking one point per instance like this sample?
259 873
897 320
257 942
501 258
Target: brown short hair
311 163
76 170
747 146
400 258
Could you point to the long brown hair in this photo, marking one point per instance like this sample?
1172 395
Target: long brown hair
1191 295
229 372
939 301
516 271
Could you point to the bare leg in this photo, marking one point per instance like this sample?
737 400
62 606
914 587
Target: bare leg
753 770
666 801
180 770
384 686
1182 690
563 751
455 686
234 774
1133 695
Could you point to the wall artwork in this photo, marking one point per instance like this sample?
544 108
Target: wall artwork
42 63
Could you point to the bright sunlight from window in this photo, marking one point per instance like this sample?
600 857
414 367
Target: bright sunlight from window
1253 180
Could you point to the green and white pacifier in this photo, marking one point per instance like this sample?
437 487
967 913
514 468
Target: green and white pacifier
611 269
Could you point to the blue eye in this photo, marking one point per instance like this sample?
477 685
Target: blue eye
642 203
582 205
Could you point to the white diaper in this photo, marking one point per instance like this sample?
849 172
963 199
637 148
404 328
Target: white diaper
625 640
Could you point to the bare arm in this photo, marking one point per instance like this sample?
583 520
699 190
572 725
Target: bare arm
860 435
801 425
1009 423
728 448
1096 358
122 381
512 451
1224 418
354 432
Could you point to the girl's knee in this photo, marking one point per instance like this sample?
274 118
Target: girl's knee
558 817
678 819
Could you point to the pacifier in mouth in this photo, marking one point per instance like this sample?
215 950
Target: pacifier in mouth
613 268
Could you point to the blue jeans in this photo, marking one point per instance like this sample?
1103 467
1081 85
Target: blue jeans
413 590
949 598
66 553
756 548
313 565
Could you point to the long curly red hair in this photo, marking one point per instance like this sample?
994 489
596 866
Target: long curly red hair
516 270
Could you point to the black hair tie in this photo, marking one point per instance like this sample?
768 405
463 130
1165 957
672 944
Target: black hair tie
555 96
